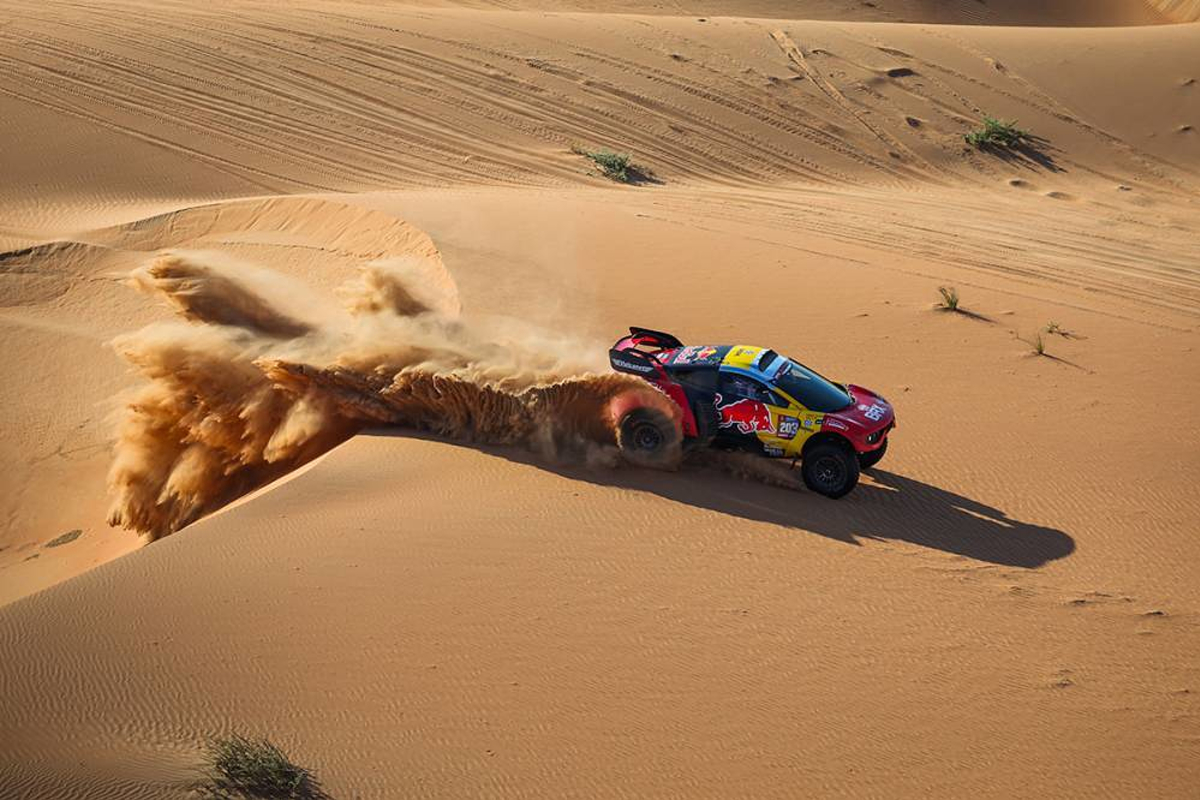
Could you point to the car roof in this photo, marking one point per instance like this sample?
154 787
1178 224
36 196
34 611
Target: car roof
737 358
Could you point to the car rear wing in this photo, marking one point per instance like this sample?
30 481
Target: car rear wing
635 353
646 339
635 362
655 339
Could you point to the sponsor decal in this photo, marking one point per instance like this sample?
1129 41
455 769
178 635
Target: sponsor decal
790 426
696 354
874 413
831 422
748 416
773 452
623 364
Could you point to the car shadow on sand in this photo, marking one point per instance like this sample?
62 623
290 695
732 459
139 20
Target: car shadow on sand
884 506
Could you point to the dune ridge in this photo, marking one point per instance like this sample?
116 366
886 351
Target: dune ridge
64 301
947 12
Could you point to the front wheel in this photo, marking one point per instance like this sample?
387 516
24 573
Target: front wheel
830 469
868 460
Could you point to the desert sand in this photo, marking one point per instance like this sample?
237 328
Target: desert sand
215 203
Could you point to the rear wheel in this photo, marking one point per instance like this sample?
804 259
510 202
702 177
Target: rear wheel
649 438
868 460
830 469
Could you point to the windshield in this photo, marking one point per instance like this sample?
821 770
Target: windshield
810 389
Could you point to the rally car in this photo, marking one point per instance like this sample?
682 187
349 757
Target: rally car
751 398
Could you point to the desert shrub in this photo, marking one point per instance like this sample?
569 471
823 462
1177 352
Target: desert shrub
997 133
617 166
1037 343
254 768
949 300
1054 329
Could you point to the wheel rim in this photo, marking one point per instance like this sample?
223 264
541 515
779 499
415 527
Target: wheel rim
828 472
647 437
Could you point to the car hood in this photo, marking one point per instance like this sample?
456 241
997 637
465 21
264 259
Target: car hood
868 412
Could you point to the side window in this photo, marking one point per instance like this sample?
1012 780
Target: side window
703 379
741 386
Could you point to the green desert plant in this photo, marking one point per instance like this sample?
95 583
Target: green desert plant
997 133
255 768
1037 342
1054 329
617 166
949 298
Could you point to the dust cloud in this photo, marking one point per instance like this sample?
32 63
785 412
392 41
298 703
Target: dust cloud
260 374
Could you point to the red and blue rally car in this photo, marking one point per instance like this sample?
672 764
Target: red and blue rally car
751 398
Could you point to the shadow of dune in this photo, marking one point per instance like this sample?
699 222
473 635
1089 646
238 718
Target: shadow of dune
884 507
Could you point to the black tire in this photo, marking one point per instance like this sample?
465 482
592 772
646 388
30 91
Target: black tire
868 460
830 469
649 438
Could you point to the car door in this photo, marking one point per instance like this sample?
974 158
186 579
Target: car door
793 424
750 414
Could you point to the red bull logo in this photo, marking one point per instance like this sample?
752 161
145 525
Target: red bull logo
695 354
748 416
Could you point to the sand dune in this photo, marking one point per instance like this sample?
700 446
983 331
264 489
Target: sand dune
237 103
1089 13
1006 608
64 301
